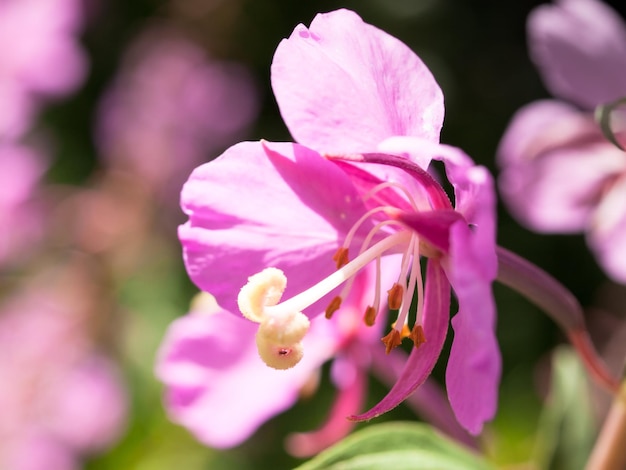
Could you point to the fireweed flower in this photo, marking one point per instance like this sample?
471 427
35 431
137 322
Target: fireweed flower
277 217
45 59
559 173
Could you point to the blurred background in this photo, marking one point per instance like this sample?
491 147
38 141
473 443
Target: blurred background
106 108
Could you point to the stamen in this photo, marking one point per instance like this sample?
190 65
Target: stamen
416 273
417 335
341 257
333 307
371 312
392 340
304 299
350 235
390 184
394 296
370 316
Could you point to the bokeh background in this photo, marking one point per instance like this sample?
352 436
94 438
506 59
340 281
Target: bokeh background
154 88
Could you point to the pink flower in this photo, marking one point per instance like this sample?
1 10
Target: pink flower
61 399
372 111
559 174
171 108
44 58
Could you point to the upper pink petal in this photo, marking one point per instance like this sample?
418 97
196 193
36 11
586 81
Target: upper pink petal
344 86
555 166
580 49
261 205
421 360
216 384
474 367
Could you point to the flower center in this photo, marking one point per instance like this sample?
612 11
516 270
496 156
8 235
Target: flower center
282 325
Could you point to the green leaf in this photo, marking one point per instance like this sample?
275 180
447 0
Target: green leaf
566 430
401 445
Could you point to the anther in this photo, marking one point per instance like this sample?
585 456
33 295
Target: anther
417 335
394 296
392 340
370 316
341 257
333 307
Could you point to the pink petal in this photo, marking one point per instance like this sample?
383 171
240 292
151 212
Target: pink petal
555 167
473 372
580 49
261 205
343 86
421 360
607 231
429 401
433 226
218 387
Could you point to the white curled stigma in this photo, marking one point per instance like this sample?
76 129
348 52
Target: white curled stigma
280 333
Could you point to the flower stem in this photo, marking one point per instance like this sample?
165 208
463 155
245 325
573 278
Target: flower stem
609 451
560 304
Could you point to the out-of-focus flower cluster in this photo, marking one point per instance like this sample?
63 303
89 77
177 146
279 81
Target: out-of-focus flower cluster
66 251
560 174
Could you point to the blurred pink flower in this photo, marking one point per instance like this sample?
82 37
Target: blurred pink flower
61 399
21 217
41 57
344 86
559 174
170 109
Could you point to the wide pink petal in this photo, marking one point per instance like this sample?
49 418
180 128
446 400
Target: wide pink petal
261 205
344 86
607 231
421 360
555 165
216 384
580 49
474 367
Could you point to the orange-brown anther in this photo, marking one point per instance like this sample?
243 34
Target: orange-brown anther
392 340
333 307
370 316
394 296
341 257
417 335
